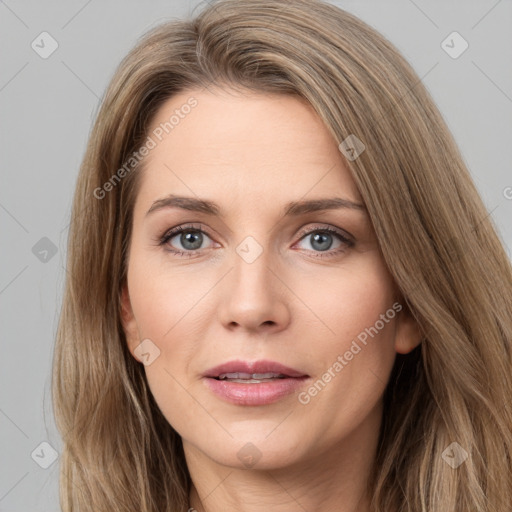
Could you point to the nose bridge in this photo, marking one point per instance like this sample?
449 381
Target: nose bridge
253 295
251 261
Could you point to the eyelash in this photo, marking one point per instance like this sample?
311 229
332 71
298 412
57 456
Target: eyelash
168 235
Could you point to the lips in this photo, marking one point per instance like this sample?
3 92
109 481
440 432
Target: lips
252 384
256 370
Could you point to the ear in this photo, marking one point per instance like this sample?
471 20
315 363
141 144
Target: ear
408 334
129 323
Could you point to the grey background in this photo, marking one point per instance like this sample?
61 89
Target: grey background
47 107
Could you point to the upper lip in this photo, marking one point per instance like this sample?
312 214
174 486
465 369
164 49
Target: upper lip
262 366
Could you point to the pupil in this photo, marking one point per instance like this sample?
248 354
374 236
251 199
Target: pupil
321 238
189 236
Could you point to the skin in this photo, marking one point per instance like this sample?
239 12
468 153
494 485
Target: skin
251 154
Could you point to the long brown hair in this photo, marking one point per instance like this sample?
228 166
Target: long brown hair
120 453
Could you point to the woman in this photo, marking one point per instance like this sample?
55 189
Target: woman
337 335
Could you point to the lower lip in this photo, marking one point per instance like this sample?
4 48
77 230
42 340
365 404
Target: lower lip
261 393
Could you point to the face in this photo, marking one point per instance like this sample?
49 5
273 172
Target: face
293 302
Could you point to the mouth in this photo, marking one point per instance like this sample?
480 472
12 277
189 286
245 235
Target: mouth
253 383
251 378
256 370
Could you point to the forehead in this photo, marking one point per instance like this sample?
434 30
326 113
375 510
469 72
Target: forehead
251 148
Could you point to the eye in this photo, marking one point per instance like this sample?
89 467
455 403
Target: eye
322 240
187 241
190 238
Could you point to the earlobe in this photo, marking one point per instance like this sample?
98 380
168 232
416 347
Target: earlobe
128 321
408 333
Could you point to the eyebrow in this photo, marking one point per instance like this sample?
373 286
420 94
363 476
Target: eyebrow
293 208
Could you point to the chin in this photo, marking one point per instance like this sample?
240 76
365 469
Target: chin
257 451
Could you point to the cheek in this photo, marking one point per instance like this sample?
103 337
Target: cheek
164 298
170 308
165 314
351 301
355 354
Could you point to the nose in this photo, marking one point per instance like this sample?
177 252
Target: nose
254 296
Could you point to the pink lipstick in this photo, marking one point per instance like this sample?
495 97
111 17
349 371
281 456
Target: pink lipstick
253 383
